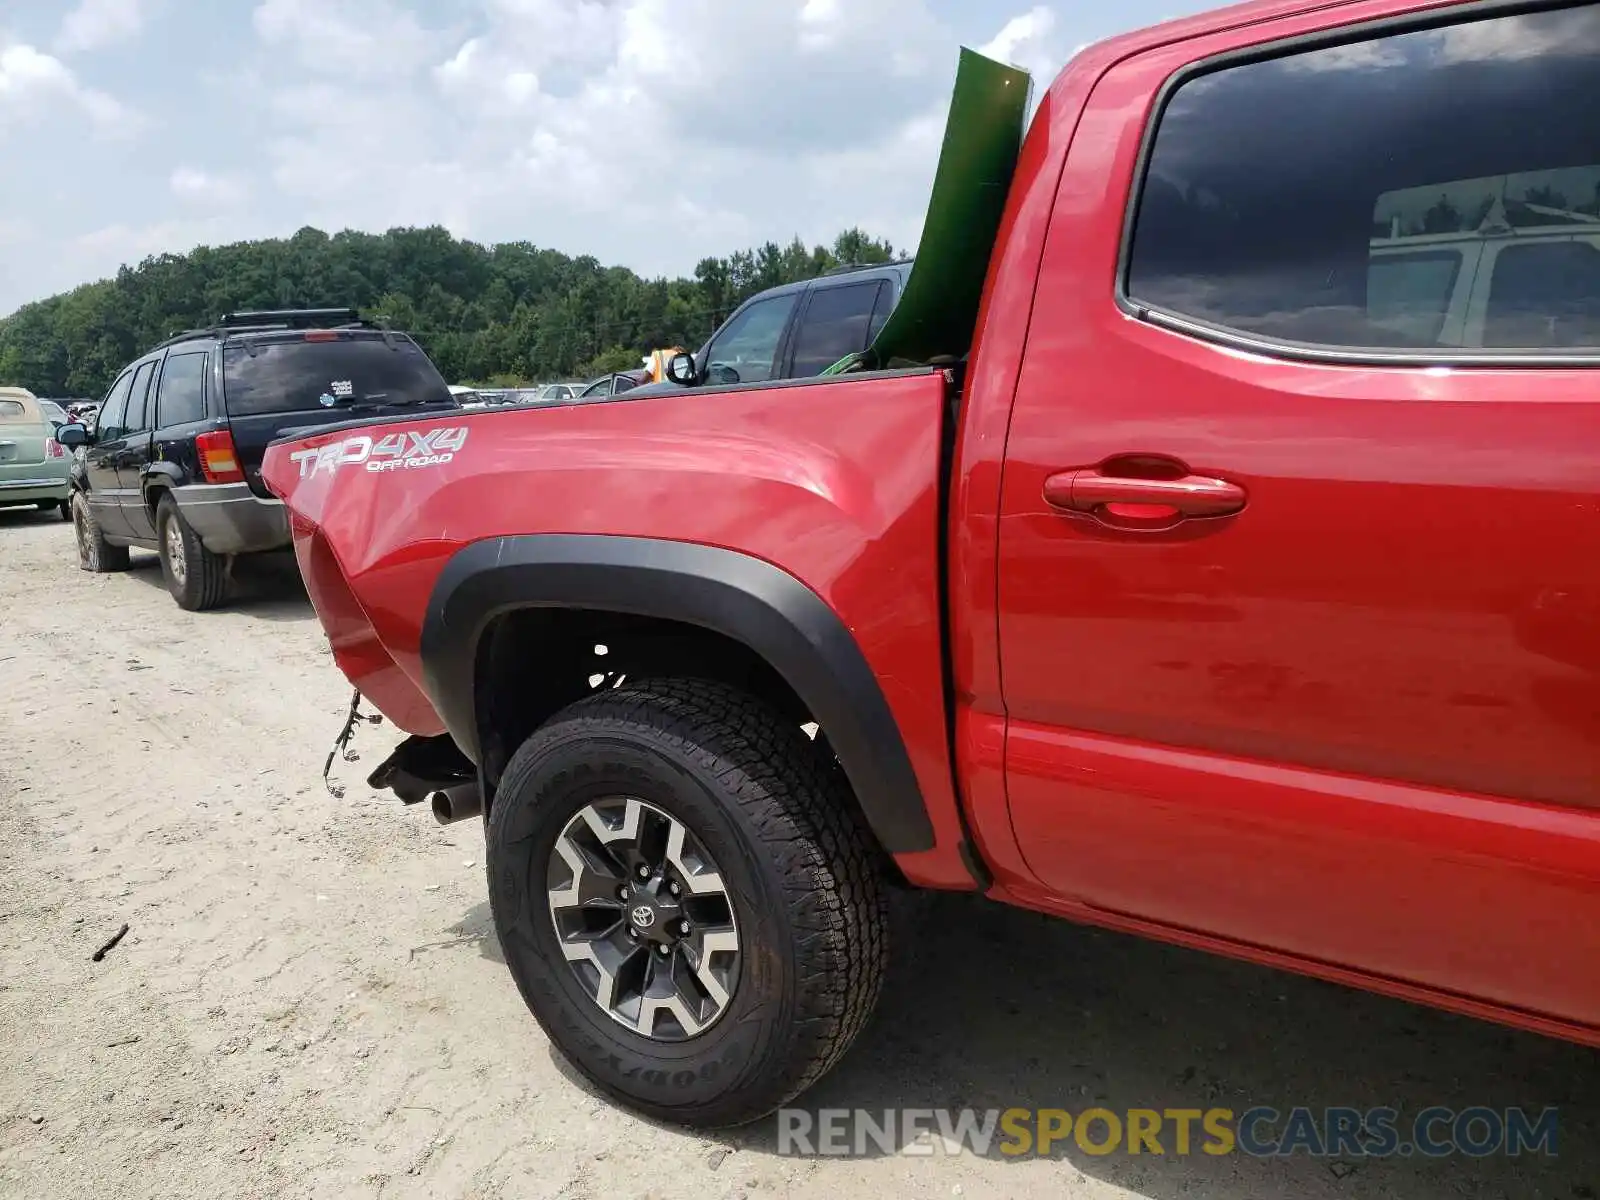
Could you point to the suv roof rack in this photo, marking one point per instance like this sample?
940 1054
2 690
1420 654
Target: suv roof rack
266 320
292 318
846 268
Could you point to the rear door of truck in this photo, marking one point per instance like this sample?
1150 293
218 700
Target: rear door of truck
1300 559
299 379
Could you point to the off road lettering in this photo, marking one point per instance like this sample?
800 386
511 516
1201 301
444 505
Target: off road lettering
405 451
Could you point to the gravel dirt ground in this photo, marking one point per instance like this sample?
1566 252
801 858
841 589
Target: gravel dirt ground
310 1001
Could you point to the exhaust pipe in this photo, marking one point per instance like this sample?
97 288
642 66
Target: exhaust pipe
456 803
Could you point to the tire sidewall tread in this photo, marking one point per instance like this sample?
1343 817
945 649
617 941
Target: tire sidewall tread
103 555
791 848
205 581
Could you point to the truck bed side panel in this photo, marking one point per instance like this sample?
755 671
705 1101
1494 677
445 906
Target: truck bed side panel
834 481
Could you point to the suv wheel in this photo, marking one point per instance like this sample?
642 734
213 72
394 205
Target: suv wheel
94 552
687 898
197 578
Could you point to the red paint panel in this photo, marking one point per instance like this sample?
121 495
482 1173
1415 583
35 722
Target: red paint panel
1485 897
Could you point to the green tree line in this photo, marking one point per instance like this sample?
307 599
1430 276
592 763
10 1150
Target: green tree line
503 314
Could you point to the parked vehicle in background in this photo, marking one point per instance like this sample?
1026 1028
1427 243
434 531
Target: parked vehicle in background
34 468
1238 591
54 413
613 385
794 331
560 391
175 463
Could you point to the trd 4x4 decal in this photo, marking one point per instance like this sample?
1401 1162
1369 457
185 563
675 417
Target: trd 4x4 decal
395 452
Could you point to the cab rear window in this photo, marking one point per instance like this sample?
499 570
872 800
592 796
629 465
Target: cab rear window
309 374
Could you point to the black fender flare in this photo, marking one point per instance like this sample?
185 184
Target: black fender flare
158 477
744 598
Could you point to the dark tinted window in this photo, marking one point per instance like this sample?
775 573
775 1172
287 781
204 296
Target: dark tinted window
1545 294
109 426
290 376
183 390
138 418
1377 193
1413 290
836 323
624 383
744 351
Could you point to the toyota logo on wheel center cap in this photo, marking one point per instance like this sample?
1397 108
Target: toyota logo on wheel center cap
643 916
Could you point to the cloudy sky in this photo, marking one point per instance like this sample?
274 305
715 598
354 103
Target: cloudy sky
644 132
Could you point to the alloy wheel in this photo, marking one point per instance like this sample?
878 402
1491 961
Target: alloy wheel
174 544
644 919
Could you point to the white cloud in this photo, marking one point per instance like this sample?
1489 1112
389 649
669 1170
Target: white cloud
96 23
362 39
644 132
204 189
634 130
1027 41
34 84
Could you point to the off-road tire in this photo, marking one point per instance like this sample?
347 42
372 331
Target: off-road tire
95 554
197 578
801 870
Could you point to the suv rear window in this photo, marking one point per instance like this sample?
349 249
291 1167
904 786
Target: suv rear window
290 376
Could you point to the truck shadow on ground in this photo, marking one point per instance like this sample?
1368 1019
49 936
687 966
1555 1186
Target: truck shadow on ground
995 1008
263 585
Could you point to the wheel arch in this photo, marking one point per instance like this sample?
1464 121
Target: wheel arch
158 481
518 611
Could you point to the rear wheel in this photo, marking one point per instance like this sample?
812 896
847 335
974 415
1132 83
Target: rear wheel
688 900
94 552
66 510
197 578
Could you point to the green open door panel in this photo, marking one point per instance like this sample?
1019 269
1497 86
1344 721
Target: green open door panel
938 311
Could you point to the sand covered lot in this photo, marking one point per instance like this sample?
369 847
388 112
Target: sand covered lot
309 1000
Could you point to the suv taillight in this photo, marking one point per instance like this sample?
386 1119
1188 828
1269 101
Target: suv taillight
218 461
54 449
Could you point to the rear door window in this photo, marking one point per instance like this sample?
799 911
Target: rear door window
140 410
183 390
342 371
837 322
1410 293
1546 293
1433 189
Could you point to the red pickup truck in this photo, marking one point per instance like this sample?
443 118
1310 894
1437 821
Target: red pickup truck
1240 588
